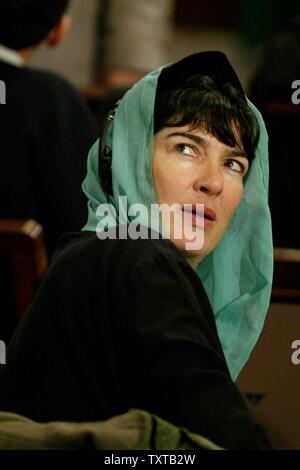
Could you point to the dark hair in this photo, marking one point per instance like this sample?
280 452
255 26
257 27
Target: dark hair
24 23
220 108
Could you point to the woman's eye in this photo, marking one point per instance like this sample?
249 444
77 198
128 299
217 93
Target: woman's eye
236 166
186 150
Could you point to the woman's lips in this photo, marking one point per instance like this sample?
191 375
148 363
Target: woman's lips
199 217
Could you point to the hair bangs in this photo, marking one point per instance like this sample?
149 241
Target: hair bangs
223 112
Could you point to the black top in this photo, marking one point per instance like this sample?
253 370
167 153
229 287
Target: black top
120 324
46 131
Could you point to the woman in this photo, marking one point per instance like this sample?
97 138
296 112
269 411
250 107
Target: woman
124 321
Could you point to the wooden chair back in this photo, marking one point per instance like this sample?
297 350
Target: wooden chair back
23 264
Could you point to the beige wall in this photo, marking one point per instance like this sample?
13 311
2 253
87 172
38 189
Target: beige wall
270 381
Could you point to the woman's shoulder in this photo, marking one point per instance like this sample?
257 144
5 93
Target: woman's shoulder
116 247
125 260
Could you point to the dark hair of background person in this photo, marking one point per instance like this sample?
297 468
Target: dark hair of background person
220 108
271 91
278 66
25 23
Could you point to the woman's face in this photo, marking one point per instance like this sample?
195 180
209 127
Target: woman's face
191 166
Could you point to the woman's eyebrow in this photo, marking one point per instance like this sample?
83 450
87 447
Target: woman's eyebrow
236 153
195 138
202 141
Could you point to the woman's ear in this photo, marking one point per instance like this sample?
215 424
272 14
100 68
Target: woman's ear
60 30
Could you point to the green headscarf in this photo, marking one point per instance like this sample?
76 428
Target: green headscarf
237 275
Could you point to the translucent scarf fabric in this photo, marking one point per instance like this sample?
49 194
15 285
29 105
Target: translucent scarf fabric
237 275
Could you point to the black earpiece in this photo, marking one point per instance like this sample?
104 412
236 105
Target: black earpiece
105 153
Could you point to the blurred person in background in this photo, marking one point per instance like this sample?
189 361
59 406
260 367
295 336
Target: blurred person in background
274 89
133 39
278 67
46 128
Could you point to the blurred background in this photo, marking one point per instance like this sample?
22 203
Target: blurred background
140 35
112 43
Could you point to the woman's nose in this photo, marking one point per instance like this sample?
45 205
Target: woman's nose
210 178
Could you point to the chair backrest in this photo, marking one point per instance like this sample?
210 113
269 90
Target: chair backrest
286 282
23 264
